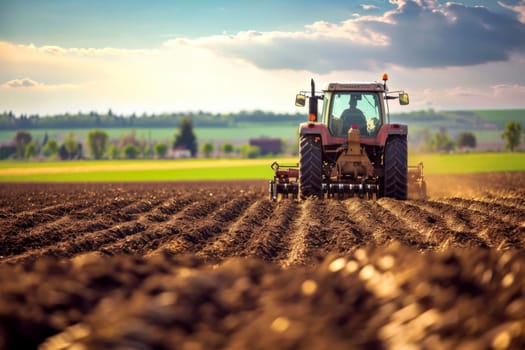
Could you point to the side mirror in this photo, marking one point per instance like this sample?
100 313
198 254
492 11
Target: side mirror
300 100
403 98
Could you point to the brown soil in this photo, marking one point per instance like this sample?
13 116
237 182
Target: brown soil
218 265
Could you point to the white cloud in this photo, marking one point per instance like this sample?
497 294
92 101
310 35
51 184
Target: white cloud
28 83
20 83
369 7
421 33
509 90
462 91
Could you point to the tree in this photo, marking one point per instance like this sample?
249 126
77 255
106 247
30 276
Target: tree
466 139
50 148
97 142
248 151
227 148
186 137
46 138
512 135
31 150
161 149
141 144
22 139
207 149
71 143
70 149
441 142
131 151
112 151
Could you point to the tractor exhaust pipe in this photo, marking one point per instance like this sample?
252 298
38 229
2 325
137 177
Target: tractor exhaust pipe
312 113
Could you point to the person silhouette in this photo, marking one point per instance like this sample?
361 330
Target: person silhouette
354 115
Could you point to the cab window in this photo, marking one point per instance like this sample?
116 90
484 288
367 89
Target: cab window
354 109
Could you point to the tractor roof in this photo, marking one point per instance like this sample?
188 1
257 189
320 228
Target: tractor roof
355 86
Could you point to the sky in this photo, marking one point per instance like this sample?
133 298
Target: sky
156 56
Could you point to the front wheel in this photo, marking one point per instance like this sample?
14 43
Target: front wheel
310 166
396 168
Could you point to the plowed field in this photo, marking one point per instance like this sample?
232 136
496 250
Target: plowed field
218 265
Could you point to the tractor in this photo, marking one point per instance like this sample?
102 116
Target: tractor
352 149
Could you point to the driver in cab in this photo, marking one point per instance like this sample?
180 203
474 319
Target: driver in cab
354 115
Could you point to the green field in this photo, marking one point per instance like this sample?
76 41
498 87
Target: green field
469 162
138 170
241 132
222 169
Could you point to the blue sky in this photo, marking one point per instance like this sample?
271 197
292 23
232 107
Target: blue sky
152 56
142 24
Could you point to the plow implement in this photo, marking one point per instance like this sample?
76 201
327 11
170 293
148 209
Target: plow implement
285 184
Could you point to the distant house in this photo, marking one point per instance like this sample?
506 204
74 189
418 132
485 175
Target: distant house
7 149
267 145
181 152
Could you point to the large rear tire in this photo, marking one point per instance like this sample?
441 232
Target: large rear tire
396 168
310 167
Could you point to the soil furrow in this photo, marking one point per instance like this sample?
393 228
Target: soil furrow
323 227
433 225
297 235
175 204
512 199
496 232
66 228
193 239
271 241
37 197
142 206
39 237
144 241
338 232
467 224
364 214
494 210
165 209
227 219
408 225
30 219
233 242
157 233
83 244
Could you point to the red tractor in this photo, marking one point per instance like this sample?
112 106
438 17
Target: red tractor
353 150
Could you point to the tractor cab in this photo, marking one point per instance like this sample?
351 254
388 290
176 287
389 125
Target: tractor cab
361 106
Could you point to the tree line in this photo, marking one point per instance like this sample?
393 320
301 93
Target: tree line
442 142
98 144
10 121
129 146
